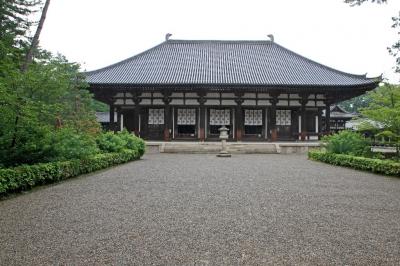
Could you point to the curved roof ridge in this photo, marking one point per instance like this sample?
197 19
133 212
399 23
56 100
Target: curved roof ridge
218 41
364 76
261 62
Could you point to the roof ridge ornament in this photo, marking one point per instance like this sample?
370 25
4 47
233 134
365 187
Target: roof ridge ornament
271 37
167 36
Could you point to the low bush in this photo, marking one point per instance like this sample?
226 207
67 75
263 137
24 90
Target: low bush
46 145
110 142
68 144
27 176
116 142
133 142
347 142
361 163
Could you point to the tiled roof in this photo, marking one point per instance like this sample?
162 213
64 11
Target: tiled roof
223 62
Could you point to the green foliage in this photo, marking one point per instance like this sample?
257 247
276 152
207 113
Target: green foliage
354 104
384 108
132 142
27 176
395 48
386 134
361 163
116 142
110 142
347 142
67 144
35 103
100 107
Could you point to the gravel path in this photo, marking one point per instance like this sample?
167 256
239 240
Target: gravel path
200 210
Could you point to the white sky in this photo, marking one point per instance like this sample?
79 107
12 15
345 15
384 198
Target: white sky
97 33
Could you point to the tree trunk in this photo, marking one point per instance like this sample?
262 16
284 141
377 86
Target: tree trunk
28 60
35 40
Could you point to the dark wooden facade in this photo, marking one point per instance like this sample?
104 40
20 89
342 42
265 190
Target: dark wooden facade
251 116
186 90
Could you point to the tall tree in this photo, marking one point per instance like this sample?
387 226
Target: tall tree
14 24
395 48
384 108
35 41
33 98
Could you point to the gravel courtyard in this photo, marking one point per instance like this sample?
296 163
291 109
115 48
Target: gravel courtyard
201 210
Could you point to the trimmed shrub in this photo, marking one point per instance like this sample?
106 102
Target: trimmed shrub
115 142
67 144
361 163
347 142
27 176
110 142
132 141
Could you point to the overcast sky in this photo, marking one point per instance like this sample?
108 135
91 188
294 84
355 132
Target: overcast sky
97 33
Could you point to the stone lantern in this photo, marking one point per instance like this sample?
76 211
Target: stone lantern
223 136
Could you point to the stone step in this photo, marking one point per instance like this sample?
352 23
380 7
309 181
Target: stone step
233 147
213 148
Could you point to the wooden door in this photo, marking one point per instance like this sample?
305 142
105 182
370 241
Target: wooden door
153 123
284 123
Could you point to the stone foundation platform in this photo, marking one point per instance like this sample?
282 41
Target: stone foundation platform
233 147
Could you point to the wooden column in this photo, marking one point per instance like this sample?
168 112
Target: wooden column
167 115
118 126
319 122
136 115
167 122
274 133
239 116
303 101
112 122
202 116
327 117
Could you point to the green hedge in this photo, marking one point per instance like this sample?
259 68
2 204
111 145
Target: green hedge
26 176
360 163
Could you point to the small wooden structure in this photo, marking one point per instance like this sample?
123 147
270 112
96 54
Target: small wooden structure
338 118
187 90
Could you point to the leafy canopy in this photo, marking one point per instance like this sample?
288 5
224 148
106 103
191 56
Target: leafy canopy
384 108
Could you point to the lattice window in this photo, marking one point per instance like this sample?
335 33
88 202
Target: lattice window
186 117
253 117
220 117
283 117
156 116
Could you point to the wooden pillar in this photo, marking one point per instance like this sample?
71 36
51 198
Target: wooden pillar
319 123
167 115
136 115
327 117
239 116
274 133
303 123
118 126
136 122
304 130
167 122
112 122
202 116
